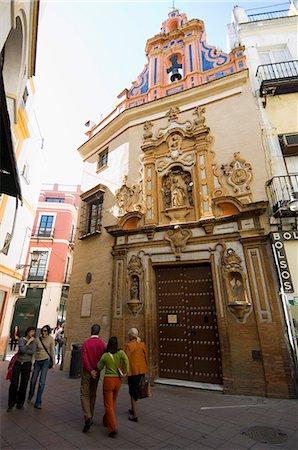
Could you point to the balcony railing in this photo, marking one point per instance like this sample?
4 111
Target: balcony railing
39 276
278 78
279 191
43 232
268 15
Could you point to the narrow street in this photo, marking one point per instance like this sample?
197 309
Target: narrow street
174 418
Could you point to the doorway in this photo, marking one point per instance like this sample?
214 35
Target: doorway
189 347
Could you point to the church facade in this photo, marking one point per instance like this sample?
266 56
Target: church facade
172 235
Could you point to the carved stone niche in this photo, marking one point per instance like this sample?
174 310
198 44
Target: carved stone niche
236 288
177 194
135 273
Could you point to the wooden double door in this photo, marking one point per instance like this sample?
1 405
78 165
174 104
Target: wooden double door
189 347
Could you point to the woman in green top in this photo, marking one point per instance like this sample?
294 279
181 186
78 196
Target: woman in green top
115 362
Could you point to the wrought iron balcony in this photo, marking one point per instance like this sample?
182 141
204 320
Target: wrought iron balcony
281 193
268 15
43 232
278 78
39 276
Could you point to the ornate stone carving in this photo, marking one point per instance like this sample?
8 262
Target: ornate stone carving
178 239
239 176
174 123
172 114
235 282
128 198
135 280
175 143
147 128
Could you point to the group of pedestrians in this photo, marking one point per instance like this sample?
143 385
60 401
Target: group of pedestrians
43 351
96 356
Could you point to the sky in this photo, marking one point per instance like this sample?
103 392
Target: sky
88 52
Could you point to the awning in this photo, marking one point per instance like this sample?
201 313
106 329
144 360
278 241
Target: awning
9 177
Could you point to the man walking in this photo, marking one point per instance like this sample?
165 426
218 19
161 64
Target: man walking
92 350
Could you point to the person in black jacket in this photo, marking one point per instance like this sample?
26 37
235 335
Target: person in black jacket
21 370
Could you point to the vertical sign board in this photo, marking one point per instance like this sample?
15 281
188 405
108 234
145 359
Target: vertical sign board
277 239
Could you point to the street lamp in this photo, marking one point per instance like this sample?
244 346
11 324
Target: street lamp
293 203
34 259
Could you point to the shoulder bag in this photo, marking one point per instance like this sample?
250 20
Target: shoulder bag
51 359
121 374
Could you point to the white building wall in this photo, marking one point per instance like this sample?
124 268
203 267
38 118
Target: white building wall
49 305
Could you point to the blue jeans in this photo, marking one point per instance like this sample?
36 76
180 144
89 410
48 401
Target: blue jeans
41 367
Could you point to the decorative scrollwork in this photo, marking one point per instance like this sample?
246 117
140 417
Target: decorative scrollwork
239 174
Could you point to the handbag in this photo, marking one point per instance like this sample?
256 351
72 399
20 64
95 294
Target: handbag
51 359
144 388
11 366
121 374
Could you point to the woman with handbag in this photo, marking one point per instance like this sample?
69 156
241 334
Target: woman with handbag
44 360
138 366
21 370
116 366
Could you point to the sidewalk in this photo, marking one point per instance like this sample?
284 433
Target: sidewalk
174 418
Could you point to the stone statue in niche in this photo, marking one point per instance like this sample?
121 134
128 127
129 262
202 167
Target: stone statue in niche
237 288
235 281
134 285
134 288
178 191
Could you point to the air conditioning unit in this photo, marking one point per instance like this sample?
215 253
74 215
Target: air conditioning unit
20 289
289 143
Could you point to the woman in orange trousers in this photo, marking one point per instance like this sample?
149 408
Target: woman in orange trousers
115 362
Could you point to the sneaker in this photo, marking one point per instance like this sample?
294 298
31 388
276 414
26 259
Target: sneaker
113 434
20 407
37 406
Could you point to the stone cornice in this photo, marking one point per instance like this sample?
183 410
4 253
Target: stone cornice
203 94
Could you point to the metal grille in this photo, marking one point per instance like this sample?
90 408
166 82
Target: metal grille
188 337
91 214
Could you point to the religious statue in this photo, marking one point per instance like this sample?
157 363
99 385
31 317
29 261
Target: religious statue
178 191
134 289
237 289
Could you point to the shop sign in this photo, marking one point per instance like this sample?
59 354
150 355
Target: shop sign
278 238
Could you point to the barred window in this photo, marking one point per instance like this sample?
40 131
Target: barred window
103 158
91 215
